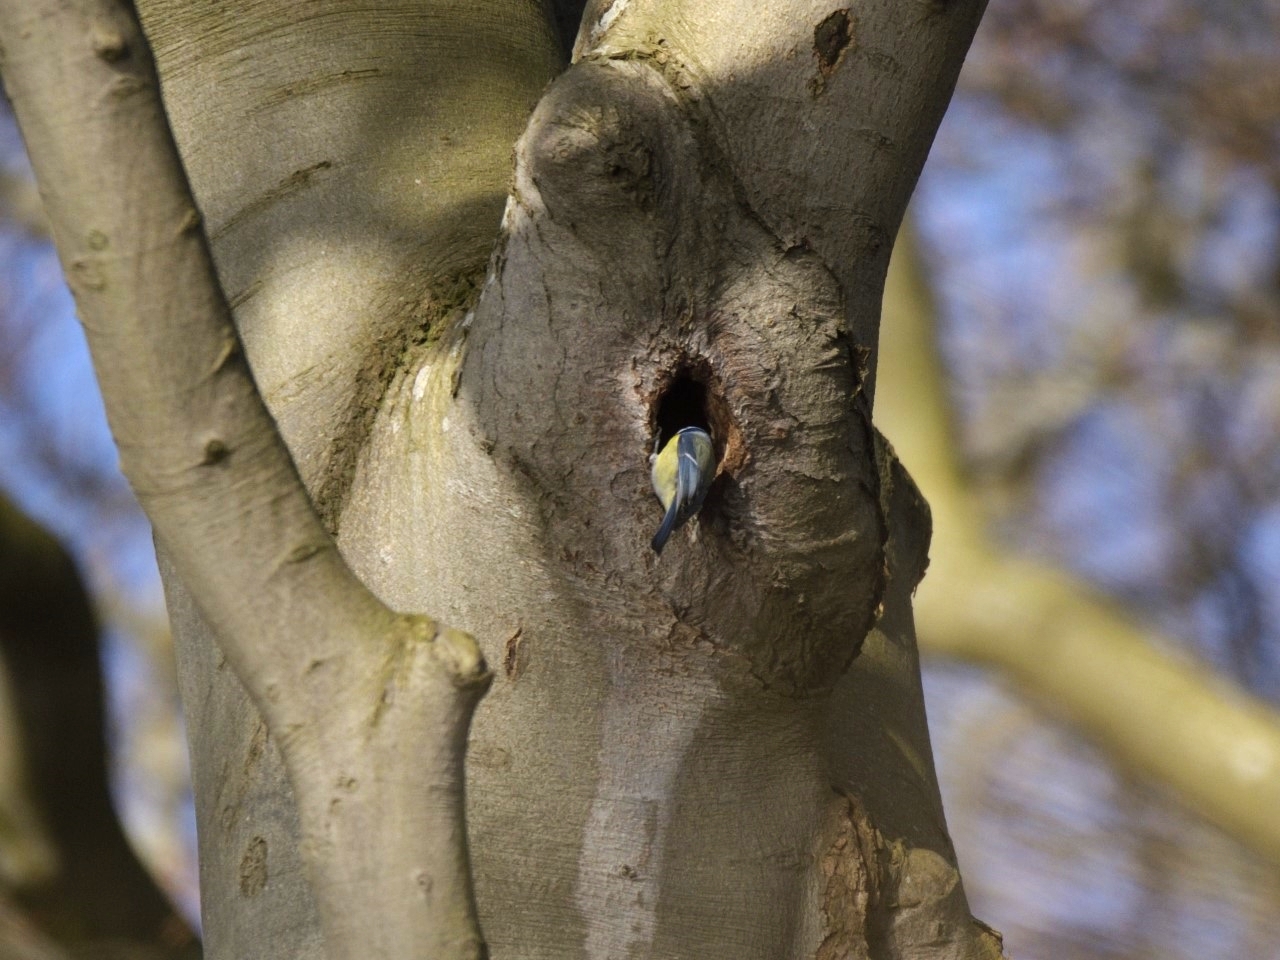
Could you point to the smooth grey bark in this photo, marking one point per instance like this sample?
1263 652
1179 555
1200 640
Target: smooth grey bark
678 758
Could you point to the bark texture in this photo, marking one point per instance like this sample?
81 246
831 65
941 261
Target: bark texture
351 167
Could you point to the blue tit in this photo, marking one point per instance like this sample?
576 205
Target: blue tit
681 475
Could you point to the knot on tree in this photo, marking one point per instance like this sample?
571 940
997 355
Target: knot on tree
634 267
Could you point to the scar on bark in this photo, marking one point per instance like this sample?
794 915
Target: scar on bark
831 38
298 180
853 874
253 867
514 657
875 889
442 306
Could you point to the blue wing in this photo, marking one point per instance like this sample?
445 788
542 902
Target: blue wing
694 459
688 478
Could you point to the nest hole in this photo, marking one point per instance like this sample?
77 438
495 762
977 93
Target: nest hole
682 404
693 397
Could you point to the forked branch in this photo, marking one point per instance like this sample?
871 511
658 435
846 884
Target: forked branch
343 682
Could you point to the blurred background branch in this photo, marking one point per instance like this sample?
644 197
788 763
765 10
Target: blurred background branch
1069 647
1099 231
64 859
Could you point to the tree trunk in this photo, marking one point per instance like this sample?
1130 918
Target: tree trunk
720 752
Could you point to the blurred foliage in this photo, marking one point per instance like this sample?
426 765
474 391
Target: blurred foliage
1116 339
1102 214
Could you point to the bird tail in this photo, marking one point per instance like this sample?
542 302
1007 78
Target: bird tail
668 524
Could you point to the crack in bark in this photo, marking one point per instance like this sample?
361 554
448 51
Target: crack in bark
298 180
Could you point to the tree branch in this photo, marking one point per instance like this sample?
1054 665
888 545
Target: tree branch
343 681
1159 714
